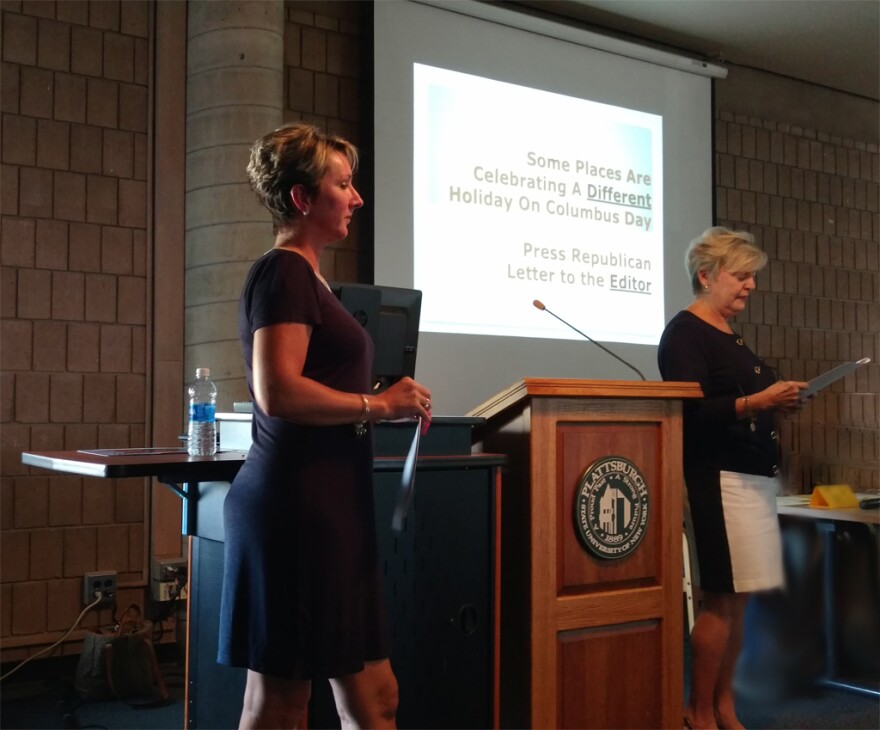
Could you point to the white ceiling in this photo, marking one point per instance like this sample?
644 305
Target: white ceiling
834 43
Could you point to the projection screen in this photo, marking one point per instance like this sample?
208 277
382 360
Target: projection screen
517 161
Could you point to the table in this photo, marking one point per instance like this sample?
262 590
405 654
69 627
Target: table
173 467
440 574
827 521
798 505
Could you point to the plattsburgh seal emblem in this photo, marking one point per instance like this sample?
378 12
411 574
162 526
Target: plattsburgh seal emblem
611 508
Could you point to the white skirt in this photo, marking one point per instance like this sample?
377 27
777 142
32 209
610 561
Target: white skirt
753 535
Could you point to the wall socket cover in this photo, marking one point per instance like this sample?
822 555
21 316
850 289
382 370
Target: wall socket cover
103 581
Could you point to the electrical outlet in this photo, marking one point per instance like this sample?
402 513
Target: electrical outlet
102 581
169 577
168 591
168 569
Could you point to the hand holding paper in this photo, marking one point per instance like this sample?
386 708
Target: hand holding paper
783 395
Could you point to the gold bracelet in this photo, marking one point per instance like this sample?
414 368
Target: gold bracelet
753 422
360 427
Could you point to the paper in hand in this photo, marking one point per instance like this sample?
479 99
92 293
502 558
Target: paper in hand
407 481
830 376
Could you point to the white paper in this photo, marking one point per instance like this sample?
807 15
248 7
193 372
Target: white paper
829 376
407 481
136 451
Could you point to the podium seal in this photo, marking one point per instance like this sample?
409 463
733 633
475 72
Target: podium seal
611 508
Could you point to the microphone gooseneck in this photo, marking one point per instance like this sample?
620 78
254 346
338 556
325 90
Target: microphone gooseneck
538 304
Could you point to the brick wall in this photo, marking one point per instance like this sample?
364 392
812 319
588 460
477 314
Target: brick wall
811 199
74 303
74 265
327 81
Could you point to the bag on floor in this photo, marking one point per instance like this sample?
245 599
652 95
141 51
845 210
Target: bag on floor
121 664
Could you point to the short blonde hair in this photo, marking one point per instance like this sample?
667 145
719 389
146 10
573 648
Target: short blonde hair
295 154
720 248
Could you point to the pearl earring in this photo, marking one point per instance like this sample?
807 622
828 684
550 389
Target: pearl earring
706 288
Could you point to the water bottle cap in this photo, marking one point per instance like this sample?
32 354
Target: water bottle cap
203 372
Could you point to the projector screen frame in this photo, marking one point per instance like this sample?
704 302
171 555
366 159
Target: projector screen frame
514 18
464 383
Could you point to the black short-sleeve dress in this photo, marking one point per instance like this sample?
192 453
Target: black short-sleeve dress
730 463
301 591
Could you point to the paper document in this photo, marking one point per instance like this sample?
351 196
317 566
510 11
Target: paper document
407 481
143 451
829 376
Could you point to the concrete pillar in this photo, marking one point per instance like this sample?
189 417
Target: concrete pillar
235 72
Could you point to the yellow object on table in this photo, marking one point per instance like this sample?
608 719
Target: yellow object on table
833 496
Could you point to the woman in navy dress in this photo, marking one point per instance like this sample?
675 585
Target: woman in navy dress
731 459
301 592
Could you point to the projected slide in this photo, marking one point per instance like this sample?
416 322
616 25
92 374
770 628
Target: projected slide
522 194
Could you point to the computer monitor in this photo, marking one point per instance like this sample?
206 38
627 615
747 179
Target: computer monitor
391 316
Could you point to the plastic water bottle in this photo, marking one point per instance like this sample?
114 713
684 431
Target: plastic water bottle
202 410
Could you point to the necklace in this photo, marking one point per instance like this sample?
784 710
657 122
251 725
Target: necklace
322 280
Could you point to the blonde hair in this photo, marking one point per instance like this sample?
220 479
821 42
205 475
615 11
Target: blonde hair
295 154
720 248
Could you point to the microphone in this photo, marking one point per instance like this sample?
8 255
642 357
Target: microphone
540 305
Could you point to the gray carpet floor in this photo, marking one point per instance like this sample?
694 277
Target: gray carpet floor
34 704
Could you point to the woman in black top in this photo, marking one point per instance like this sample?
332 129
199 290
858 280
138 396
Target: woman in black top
301 593
730 460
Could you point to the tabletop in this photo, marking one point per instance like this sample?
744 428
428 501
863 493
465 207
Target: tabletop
798 505
175 465
169 463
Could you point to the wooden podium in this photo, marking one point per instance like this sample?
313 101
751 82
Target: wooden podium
591 604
